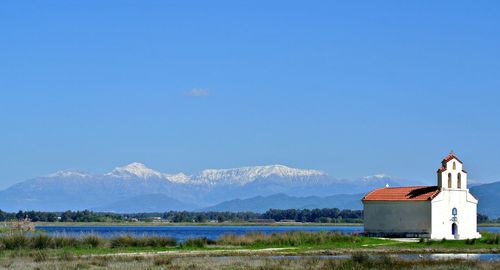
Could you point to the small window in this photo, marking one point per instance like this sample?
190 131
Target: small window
449 180
454 165
459 181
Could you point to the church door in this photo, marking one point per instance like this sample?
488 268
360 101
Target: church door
454 230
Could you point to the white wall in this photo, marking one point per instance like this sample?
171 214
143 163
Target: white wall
443 176
397 217
442 207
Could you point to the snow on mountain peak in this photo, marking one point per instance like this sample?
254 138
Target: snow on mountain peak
239 176
247 174
134 169
68 173
177 178
376 177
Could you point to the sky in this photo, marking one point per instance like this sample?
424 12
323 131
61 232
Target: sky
353 88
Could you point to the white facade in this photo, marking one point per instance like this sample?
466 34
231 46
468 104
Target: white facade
448 223
447 210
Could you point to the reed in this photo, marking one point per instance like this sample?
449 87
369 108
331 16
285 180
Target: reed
153 241
198 242
18 241
293 239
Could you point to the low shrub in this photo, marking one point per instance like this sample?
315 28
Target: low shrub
39 256
198 242
154 241
162 260
92 241
66 256
158 241
64 242
493 240
122 241
14 241
490 238
470 241
41 241
101 261
361 258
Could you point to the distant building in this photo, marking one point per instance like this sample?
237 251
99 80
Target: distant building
447 210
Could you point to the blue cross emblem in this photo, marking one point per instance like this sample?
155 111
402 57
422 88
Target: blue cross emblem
454 212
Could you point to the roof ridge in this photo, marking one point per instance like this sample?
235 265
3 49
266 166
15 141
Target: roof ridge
406 187
408 193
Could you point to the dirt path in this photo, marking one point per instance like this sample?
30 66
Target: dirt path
229 252
290 251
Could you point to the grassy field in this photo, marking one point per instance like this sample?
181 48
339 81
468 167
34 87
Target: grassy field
296 241
251 251
358 261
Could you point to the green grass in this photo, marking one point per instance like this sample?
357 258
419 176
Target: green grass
293 242
300 239
487 241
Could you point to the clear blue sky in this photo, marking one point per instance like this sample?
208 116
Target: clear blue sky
353 88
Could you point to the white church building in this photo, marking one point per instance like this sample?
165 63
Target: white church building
447 210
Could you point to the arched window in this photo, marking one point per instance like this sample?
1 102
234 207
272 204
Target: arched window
454 165
459 180
449 180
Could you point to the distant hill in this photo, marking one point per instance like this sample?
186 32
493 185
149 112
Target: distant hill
146 203
129 188
488 196
261 204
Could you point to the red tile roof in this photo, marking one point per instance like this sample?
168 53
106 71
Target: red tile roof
450 157
418 193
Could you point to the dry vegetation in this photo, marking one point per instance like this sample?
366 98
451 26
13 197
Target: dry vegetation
262 263
251 251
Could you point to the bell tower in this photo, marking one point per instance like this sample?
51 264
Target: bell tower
452 175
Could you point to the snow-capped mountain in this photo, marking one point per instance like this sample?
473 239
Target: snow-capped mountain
245 175
234 176
134 170
79 190
69 173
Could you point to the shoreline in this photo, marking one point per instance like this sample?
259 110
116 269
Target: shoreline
231 224
165 224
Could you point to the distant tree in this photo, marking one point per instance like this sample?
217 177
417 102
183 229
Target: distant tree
482 218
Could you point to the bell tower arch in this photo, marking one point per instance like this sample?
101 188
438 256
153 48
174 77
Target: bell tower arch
452 175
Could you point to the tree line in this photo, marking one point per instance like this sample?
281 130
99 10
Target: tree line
326 215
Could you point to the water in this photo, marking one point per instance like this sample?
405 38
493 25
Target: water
182 233
451 256
489 229
411 257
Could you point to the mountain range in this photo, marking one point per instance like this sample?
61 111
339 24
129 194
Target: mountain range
137 188
133 187
488 198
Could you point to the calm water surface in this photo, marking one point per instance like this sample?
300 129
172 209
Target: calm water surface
412 257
